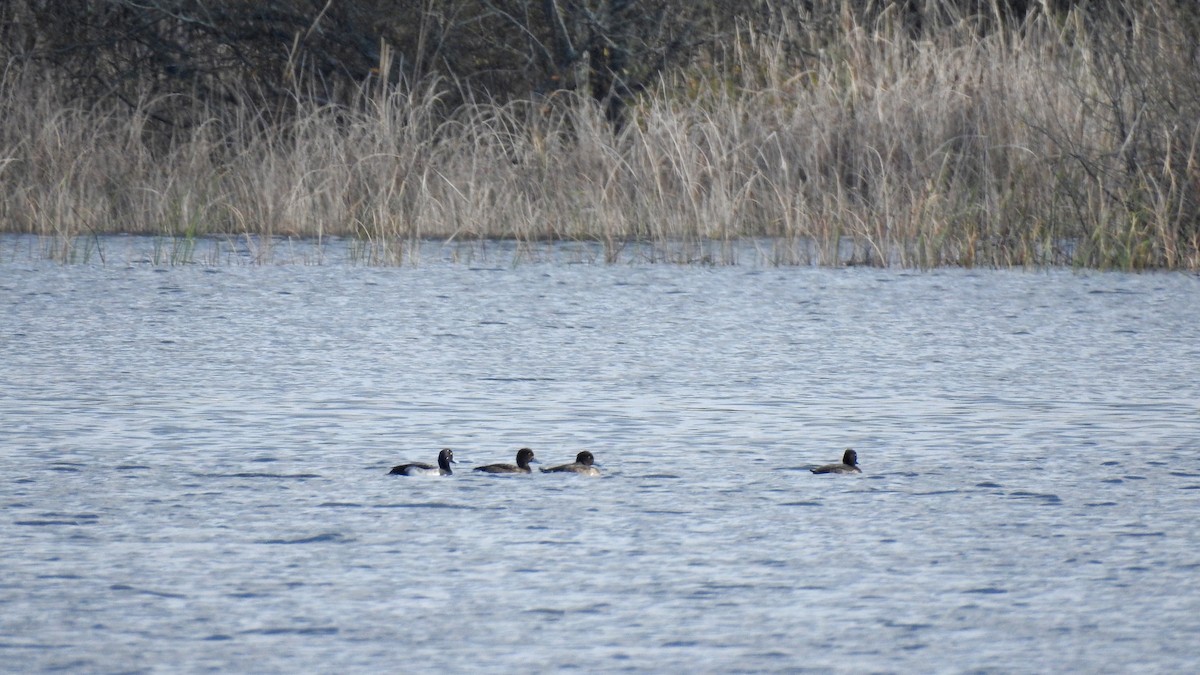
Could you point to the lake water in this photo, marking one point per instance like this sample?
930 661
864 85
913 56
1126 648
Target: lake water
194 463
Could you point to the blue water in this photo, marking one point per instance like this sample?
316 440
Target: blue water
194 462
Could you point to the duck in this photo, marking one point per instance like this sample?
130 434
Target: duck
849 464
524 457
445 459
582 465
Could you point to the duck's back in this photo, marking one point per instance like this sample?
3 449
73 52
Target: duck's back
417 469
582 469
501 468
836 468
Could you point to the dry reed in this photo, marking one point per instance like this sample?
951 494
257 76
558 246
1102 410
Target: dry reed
1049 143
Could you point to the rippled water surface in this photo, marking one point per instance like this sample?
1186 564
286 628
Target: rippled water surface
194 465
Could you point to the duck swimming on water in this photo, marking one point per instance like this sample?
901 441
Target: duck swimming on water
849 464
524 457
445 459
582 465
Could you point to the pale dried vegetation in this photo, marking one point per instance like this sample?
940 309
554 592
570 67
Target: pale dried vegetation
1056 142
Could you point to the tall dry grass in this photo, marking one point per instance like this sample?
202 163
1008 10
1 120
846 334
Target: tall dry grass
1062 141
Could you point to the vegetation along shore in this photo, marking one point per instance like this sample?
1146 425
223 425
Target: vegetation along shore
925 133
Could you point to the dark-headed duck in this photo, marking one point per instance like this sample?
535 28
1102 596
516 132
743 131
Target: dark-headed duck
849 464
524 457
582 465
445 459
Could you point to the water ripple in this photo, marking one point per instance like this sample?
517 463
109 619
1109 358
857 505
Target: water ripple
427 505
325 538
206 464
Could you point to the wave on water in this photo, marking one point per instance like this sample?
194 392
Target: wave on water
427 505
328 537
